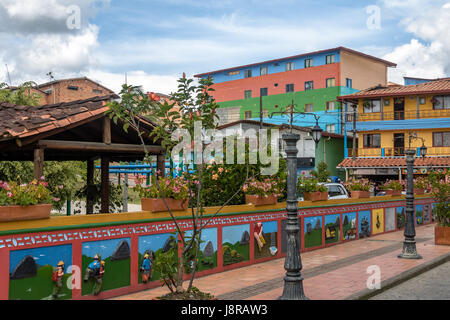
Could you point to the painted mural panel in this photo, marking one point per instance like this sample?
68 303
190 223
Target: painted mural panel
365 223
284 235
154 245
207 256
349 227
419 214
313 231
426 213
401 217
115 254
332 228
266 235
377 221
390 219
31 272
236 244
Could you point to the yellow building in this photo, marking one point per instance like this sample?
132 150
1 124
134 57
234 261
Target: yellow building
391 119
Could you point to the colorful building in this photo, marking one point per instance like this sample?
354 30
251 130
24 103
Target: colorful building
310 81
392 119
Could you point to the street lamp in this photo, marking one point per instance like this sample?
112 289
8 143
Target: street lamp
409 244
317 133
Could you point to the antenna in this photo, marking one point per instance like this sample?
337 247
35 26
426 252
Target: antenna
9 76
126 79
50 75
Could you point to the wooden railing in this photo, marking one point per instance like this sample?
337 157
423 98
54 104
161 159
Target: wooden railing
400 115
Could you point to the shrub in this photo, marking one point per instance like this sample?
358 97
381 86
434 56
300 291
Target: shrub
173 188
310 185
36 192
358 185
441 193
392 185
268 187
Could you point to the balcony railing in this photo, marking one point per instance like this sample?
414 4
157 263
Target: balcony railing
400 115
396 152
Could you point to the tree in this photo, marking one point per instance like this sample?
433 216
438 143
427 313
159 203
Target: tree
22 95
322 173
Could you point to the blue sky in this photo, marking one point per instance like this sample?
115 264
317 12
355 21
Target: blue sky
155 41
43 256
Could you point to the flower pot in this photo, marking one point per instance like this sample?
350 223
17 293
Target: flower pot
442 235
419 191
394 193
157 205
315 196
260 201
19 213
360 194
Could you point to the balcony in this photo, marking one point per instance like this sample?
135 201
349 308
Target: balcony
400 115
397 152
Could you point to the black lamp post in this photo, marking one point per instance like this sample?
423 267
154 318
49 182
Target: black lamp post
409 244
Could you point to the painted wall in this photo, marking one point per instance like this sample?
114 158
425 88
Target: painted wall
332 152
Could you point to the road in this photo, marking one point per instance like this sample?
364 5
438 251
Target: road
431 285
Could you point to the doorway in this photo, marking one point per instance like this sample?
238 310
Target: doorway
399 109
399 144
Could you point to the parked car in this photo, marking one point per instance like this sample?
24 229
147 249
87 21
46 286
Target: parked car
335 191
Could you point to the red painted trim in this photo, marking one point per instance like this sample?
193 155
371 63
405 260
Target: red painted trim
219 248
134 277
4 275
302 233
77 254
252 242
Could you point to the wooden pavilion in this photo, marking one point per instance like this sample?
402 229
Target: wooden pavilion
73 131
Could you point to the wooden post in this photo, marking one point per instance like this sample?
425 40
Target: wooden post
90 183
105 184
107 130
161 165
38 163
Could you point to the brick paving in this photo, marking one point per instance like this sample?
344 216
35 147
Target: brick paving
332 273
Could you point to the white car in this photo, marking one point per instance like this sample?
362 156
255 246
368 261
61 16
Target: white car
335 191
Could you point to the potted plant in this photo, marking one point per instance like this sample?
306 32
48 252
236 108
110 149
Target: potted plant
441 211
312 190
392 188
359 188
420 185
174 190
262 192
27 201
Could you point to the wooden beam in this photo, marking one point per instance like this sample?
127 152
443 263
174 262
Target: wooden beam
90 186
38 163
98 147
107 130
105 184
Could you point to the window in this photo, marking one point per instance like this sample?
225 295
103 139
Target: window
247 115
263 71
331 82
349 83
335 190
309 63
309 85
74 88
441 139
372 141
371 106
331 128
330 105
290 87
263 92
248 74
289 66
97 91
248 94
233 73
330 59
387 102
309 107
422 100
441 102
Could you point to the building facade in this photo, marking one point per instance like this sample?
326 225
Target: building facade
310 81
393 119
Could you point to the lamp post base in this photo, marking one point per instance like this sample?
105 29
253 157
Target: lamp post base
293 289
409 251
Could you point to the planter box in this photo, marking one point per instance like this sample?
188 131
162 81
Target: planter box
419 191
260 201
315 196
394 193
19 213
442 235
360 194
157 205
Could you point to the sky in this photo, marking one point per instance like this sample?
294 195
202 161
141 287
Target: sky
155 41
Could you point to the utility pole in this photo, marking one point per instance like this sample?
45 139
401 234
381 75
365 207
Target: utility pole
9 76
260 111
354 131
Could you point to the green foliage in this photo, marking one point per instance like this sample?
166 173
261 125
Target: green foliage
308 185
358 185
271 186
441 193
392 185
22 95
173 188
166 265
322 174
13 193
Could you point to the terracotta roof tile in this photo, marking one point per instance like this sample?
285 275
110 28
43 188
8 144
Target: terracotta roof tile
394 162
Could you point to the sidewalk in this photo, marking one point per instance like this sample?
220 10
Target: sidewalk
334 273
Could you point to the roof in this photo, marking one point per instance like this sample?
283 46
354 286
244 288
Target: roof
23 121
394 162
387 63
439 86
266 124
73 79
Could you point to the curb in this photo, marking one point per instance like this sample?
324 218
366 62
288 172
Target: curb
399 279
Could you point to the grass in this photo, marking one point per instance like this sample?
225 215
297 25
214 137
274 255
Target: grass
313 239
243 253
39 287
